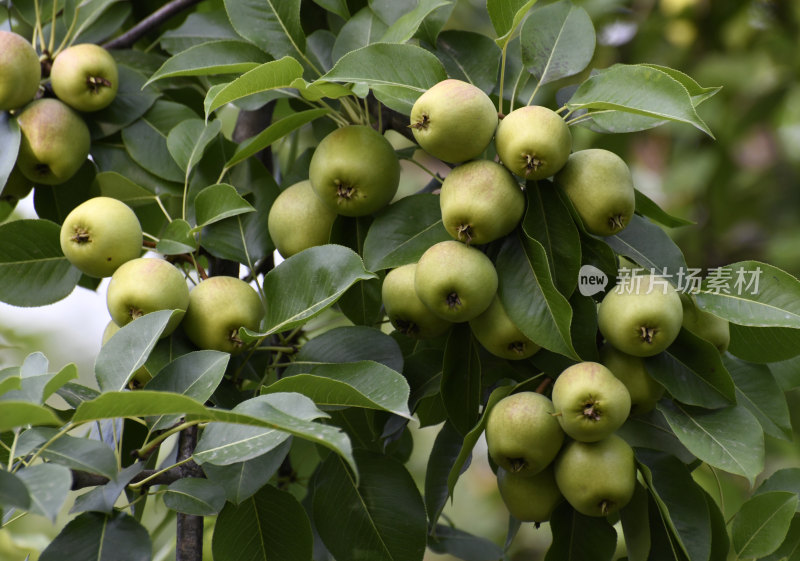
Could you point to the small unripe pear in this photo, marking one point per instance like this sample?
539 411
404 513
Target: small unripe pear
643 388
705 325
85 77
529 498
497 333
20 71
533 142
298 220
405 310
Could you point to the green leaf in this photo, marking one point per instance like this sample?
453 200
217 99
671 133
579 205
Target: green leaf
146 144
9 140
635 518
764 344
406 25
269 76
786 479
195 496
649 246
218 202
403 231
786 372
547 220
131 102
680 500
198 28
446 449
462 545
730 439
48 486
177 238
13 492
383 518
364 384
461 378
651 430
33 270
83 454
762 523
103 497
241 480
273 25
35 383
363 29
789 550
93 536
753 294
188 140
578 537
640 90
334 269
557 41
757 390
647 207
397 73
258 528
214 57
692 371
350 343
15 414
275 131
698 93
338 7
470 57
529 296
506 15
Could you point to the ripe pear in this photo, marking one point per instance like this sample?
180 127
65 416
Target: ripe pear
597 478
599 184
20 71
529 498
144 285
298 220
453 121
643 389
705 325
454 281
218 307
523 434
591 402
354 171
101 234
497 333
405 310
533 142
481 202
85 77
54 144
642 316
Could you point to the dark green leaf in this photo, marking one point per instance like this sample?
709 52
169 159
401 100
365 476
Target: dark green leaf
789 550
33 270
93 536
188 140
649 246
652 431
195 495
131 102
217 202
446 449
147 146
48 486
635 517
84 454
649 208
764 344
757 390
406 25
273 25
461 378
363 29
506 15
177 238
762 523
470 57
580 538
103 497
787 479
349 344
787 372
214 57
13 492
198 28
55 202
338 7
462 545
242 479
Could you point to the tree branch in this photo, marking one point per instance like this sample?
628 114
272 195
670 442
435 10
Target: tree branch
149 23
189 528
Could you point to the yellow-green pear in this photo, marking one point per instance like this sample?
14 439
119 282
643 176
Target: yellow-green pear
20 71
405 310
85 77
497 333
529 498
533 142
643 388
705 325
298 220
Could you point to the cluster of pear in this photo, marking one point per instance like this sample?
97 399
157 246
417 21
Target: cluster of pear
55 139
102 237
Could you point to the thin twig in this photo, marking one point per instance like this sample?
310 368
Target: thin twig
149 23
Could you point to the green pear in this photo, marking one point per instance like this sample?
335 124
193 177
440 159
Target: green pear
298 220
643 389
705 325
453 121
599 184
405 310
85 77
522 433
354 171
597 478
497 333
481 202
533 142
99 235
529 498
144 285
54 142
218 307
454 281
642 316
142 375
17 187
590 401
20 71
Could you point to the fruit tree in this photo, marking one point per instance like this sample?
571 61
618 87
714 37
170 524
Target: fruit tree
322 225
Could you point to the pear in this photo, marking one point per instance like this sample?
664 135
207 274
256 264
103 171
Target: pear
532 498
596 478
20 71
533 142
454 281
591 402
54 143
481 202
642 316
523 434
453 121
497 333
85 77
643 389
405 310
705 325
298 220
599 184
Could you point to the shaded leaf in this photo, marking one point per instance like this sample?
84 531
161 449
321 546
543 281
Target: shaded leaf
48 486
242 479
470 57
84 454
649 208
103 497
757 390
9 140
214 57
273 25
762 523
462 545
579 537
188 140
195 496
461 378
93 536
